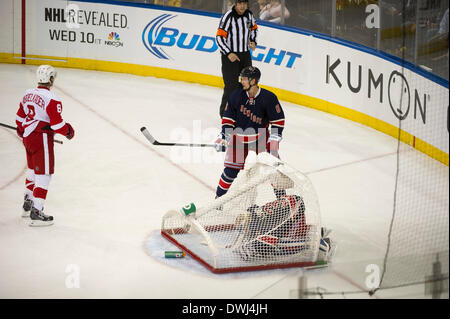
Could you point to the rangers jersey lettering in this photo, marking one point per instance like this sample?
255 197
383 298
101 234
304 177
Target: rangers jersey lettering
250 116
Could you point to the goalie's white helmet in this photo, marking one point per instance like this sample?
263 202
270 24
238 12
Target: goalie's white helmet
44 73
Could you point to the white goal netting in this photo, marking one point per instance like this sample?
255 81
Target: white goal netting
269 218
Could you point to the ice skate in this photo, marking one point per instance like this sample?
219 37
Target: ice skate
27 204
38 218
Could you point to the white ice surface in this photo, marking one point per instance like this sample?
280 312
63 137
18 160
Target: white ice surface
111 189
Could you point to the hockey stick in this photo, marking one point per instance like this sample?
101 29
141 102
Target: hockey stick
14 128
155 142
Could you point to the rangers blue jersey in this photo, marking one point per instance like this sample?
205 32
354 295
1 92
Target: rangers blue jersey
250 117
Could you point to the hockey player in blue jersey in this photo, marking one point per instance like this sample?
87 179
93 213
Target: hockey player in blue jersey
253 120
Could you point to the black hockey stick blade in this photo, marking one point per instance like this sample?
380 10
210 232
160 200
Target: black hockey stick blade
14 128
155 142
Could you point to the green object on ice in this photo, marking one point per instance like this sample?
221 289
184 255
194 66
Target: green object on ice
174 254
189 209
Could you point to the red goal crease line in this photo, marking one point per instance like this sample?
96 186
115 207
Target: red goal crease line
238 269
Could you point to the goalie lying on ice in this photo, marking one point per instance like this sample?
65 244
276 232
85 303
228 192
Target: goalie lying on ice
278 229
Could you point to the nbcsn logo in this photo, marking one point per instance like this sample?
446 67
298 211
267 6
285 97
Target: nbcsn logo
114 40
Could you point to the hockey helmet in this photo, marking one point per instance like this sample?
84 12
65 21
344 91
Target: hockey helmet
44 73
251 72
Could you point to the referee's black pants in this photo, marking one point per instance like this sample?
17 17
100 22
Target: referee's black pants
230 74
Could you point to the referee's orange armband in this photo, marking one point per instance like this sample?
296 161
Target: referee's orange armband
222 33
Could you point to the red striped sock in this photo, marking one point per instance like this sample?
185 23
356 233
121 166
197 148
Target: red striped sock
40 193
29 185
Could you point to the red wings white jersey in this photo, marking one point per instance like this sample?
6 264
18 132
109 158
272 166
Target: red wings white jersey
40 107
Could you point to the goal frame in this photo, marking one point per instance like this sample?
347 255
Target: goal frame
171 233
238 269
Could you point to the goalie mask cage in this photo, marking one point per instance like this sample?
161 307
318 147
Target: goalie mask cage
250 227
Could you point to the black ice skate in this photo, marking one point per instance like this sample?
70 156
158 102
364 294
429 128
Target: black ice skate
38 218
27 204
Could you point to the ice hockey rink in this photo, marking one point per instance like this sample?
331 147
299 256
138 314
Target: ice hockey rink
111 188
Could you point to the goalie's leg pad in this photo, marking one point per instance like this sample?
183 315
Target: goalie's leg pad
324 246
325 232
262 246
268 240
324 249
247 251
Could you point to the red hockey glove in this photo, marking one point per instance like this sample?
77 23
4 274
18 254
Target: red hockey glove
71 133
19 131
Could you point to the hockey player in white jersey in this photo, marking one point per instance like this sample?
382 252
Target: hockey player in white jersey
38 119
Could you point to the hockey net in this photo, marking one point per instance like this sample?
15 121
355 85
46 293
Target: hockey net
269 219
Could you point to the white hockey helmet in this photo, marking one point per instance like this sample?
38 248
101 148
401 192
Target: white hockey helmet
44 73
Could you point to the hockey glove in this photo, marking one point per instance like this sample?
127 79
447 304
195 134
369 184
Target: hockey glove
19 131
70 133
222 142
273 144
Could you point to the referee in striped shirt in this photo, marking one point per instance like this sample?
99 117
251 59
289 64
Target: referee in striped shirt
236 34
